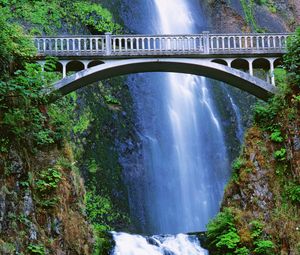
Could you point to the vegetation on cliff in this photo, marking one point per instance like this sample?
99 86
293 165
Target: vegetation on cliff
261 207
42 197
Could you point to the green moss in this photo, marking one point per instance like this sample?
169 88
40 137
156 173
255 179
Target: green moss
248 7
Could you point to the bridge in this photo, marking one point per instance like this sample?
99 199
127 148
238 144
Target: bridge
231 58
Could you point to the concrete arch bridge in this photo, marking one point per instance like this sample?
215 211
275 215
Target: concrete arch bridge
231 58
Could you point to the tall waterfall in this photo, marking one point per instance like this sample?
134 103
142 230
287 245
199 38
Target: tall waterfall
177 176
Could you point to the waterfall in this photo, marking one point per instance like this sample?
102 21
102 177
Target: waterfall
176 180
183 151
157 245
238 116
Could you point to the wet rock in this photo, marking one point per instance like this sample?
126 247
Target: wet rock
252 157
296 143
153 241
2 207
33 232
168 252
28 204
57 226
16 166
236 197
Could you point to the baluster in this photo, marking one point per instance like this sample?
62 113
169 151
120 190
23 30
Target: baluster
131 44
223 43
55 45
97 44
114 44
246 42
84 44
160 44
143 43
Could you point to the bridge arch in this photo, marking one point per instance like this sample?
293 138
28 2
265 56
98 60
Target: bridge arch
75 66
220 61
240 64
111 68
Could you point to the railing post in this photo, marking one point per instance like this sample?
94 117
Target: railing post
206 41
108 43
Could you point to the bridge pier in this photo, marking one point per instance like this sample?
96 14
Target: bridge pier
250 60
64 67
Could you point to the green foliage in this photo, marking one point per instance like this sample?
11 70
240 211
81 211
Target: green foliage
100 211
292 191
36 249
48 17
256 229
7 248
238 164
48 180
222 234
248 7
265 247
280 154
229 240
242 251
95 16
16 47
265 113
20 98
109 99
83 123
292 58
92 167
276 136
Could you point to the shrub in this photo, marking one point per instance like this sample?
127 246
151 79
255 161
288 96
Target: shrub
293 192
48 180
237 164
276 136
292 58
265 247
222 234
36 249
280 155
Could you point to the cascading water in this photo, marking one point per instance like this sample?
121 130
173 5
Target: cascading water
237 113
182 166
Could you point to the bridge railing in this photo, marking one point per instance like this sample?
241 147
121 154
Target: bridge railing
134 45
247 42
162 44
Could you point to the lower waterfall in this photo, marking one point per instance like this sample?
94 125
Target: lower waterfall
180 244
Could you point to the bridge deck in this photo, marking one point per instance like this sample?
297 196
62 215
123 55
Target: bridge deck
201 45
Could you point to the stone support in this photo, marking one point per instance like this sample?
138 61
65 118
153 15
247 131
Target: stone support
64 67
108 43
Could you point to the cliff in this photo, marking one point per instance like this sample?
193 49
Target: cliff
260 209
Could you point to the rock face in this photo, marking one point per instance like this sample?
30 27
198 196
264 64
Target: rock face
265 186
34 216
234 16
